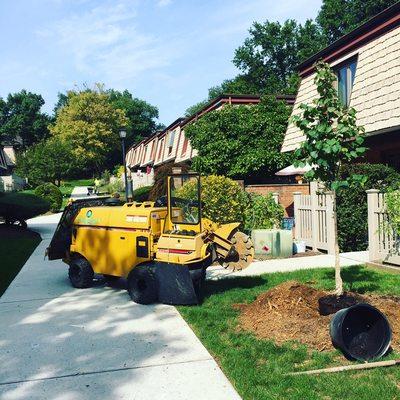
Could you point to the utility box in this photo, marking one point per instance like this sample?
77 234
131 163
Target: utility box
272 242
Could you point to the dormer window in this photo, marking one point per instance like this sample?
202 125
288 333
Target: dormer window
346 73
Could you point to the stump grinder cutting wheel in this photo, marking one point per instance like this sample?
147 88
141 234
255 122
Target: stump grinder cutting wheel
244 252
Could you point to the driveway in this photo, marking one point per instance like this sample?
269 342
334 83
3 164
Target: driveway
61 343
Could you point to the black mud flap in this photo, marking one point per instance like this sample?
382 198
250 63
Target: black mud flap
175 284
62 237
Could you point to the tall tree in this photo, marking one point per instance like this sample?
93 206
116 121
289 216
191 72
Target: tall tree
47 161
338 17
269 56
332 138
246 140
142 116
21 118
91 124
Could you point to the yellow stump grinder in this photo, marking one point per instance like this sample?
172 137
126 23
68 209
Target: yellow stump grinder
163 248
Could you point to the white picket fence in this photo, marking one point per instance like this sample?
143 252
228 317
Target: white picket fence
314 219
383 243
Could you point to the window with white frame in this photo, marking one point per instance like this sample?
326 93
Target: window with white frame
345 74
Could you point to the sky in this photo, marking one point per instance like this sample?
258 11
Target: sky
167 52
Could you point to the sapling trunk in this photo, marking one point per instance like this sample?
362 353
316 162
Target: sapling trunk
338 277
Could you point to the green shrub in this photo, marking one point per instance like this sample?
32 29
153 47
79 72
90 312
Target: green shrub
105 177
114 187
352 203
52 194
262 212
223 199
118 171
22 206
141 194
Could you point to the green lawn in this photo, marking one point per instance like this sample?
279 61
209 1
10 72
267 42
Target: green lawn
16 245
256 367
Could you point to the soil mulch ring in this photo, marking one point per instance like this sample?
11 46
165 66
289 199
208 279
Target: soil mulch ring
290 312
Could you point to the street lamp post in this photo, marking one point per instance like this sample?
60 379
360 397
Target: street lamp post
122 135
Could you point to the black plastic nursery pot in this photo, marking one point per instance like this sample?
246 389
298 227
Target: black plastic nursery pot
361 332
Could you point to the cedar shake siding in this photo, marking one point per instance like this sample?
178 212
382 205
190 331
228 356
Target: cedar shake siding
375 94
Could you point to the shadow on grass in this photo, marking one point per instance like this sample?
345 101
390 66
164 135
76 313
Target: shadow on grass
359 279
225 285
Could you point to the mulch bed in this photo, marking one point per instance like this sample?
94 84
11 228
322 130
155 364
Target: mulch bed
290 312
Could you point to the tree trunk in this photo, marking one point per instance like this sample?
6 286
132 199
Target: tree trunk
338 277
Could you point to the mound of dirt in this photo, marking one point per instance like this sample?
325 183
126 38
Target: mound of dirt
290 312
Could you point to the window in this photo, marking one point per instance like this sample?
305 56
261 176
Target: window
171 138
345 74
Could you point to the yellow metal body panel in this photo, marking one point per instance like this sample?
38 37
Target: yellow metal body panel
108 236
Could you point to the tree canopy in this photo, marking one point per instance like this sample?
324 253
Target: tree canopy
48 161
141 116
338 17
90 124
238 141
21 119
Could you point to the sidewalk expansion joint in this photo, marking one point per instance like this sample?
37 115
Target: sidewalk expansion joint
105 371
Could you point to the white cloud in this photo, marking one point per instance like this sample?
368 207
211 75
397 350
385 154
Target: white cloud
105 43
163 3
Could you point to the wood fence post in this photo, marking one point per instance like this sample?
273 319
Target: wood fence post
314 216
297 220
373 237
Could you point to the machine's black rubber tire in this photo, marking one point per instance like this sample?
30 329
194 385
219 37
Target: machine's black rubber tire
80 273
142 284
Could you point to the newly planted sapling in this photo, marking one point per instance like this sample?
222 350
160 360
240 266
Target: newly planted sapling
332 138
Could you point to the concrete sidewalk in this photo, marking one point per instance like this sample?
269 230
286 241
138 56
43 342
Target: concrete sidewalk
290 264
61 343
81 192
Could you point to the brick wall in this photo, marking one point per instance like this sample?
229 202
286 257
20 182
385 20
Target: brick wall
285 193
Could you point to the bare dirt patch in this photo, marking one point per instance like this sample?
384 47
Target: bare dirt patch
290 312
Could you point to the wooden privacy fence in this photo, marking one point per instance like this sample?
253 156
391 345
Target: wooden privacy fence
383 243
313 215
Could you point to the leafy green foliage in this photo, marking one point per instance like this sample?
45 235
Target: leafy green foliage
246 140
338 17
222 198
141 115
268 59
270 55
90 124
141 194
262 212
332 136
352 208
48 161
393 210
52 194
21 118
114 187
22 206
